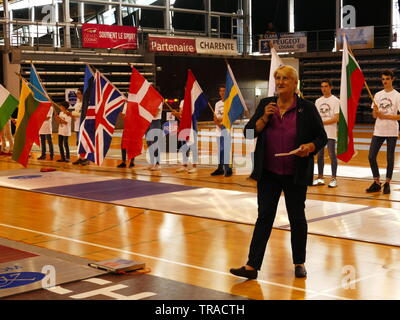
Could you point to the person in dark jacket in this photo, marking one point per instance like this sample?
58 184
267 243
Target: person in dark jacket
289 133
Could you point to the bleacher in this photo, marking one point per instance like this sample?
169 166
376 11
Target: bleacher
60 69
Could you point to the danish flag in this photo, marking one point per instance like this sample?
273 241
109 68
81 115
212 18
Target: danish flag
144 102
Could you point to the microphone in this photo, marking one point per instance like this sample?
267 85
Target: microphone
274 100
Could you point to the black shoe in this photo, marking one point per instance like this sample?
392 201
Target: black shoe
300 272
79 161
60 160
228 172
121 165
131 164
386 188
85 162
374 187
243 272
42 158
218 172
66 160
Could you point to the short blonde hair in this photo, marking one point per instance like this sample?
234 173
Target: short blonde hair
288 71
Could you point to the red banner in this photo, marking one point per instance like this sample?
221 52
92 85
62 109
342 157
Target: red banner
172 44
104 36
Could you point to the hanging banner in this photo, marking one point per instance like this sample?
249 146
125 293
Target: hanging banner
216 46
171 44
284 42
104 36
357 38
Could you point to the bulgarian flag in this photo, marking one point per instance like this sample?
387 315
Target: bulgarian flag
31 114
352 82
7 106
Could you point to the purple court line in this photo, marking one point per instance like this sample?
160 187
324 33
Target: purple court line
330 216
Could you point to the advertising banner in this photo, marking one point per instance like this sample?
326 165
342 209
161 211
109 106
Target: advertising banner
284 42
212 46
171 44
216 46
357 38
104 36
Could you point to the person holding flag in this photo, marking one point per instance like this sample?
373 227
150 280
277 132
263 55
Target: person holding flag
183 148
224 141
87 98
193 105
386 106
143 105
289 133
123 150
232 107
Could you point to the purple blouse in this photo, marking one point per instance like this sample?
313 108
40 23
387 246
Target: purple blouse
280 137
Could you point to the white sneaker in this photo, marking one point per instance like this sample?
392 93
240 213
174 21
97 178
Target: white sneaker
333 183
181 169
157 167
193 170
318 182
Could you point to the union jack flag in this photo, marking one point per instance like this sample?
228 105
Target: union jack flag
105 104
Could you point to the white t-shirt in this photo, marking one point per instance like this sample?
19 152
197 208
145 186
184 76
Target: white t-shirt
328 108
77 115
47 127
219 113
388 103
64 129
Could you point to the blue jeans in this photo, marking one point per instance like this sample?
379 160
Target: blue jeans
376 143
155 157
332 155
224 147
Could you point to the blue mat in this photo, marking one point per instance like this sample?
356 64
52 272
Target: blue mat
113 190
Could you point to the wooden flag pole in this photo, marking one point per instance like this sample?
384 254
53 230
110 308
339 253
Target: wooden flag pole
211 108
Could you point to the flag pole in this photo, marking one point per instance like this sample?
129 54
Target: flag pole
211 107
34 87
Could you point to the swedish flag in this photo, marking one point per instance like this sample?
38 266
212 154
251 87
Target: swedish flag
234 104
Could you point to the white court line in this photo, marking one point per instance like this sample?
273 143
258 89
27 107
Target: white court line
353 282
314 293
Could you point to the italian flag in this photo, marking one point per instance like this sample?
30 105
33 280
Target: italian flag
31 114
352 82
7 106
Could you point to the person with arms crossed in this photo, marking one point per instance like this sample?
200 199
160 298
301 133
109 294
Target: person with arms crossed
289 126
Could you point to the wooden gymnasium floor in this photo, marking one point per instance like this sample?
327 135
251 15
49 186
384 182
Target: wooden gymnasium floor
200 251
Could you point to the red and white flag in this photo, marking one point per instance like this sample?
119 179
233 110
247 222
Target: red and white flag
144 102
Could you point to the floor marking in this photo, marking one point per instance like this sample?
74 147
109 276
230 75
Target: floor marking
313 292
58 290
335 215
97 281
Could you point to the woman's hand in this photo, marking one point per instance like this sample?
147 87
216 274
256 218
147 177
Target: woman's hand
305 150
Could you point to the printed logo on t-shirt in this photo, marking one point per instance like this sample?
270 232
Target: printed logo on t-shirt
325 110
385 105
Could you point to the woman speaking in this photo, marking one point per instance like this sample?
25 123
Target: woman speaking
289 132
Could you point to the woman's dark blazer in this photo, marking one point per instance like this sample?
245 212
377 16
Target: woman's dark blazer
309 129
